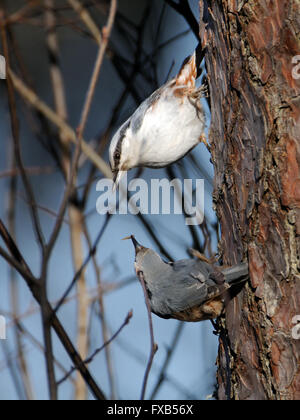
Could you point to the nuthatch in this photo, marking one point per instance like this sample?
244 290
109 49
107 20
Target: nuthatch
164 128
187 290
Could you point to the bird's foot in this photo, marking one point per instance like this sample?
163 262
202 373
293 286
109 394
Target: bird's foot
202 92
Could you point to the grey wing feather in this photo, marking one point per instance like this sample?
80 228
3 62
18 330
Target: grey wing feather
198 270
191 264
194 294
199 286
138 116
191 285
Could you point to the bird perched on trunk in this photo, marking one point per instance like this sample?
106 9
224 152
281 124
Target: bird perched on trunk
164 128
188 290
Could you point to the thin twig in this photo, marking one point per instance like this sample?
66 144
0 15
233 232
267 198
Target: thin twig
93 297
11 366
82 301
14 289
70 173
16 259
77 360
64 203
106 31
87 19
22 12
170 352
15 172
52 116
56 230
82 307
153 345
37 344
103 321
97 351
92 252
39 125
140 358
46 210
16 136
19 263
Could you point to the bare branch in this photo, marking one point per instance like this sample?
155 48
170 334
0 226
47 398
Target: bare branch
82 268
96 352
16 138
52 116
37 344
14 172
171 348
104 328
19 264
106 31
153 347
87 19
14 289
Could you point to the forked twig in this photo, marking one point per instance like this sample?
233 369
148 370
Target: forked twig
97 351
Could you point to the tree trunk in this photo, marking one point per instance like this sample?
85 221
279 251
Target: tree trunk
255 129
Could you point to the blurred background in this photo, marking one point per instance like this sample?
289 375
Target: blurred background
52 48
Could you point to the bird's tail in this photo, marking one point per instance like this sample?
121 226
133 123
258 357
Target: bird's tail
237 274
191 68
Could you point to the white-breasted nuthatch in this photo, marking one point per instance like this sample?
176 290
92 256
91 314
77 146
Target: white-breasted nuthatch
164 128
187 290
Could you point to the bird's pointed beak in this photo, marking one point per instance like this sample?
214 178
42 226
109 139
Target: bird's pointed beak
136 245
117 178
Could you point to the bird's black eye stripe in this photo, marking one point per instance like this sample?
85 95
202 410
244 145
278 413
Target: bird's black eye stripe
118 151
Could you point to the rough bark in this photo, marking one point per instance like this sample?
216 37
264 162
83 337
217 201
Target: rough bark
255 138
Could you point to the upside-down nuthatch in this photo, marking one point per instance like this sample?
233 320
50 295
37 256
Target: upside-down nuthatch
187 290
165 127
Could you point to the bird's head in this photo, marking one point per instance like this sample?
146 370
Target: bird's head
147 261
121 157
